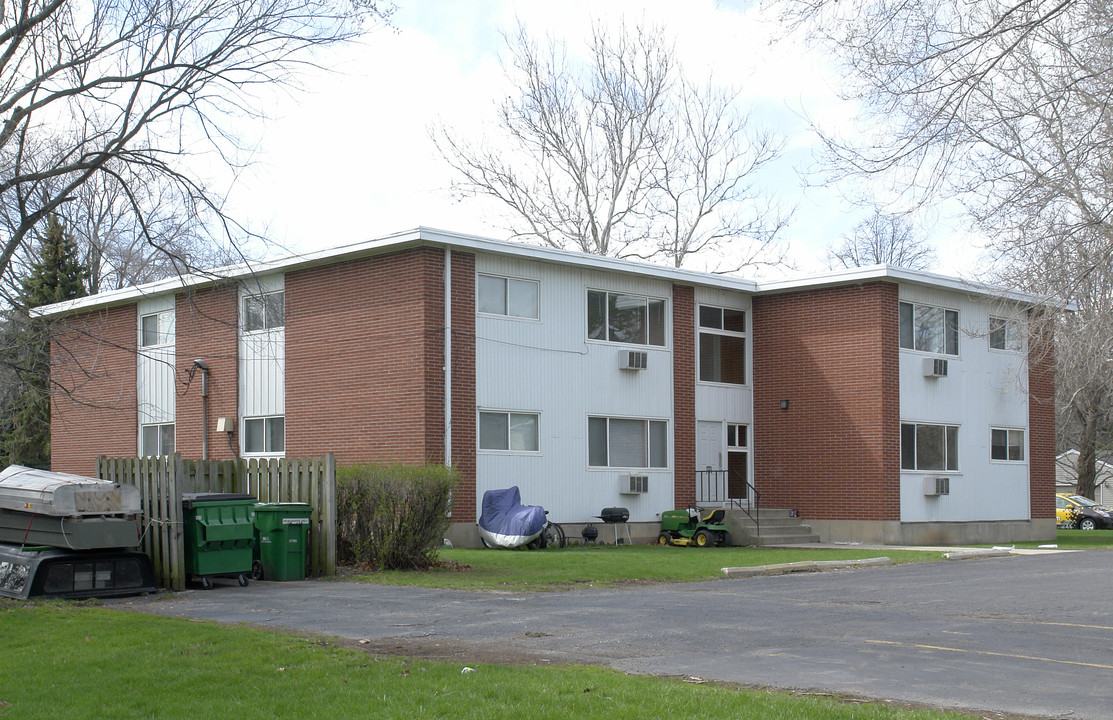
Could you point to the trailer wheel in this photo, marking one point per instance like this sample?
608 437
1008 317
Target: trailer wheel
664 539
703 539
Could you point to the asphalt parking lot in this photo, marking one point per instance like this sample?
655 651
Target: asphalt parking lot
1021 634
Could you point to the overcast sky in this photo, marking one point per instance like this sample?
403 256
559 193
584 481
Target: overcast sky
350 158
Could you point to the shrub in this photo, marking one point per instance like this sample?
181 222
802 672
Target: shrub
393 517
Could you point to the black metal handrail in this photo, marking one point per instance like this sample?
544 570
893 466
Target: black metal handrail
714 486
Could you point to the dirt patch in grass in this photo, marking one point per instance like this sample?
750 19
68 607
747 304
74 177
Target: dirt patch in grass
451 652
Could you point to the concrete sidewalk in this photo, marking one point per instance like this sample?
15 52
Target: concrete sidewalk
1050 548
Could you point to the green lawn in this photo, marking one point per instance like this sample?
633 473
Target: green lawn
61 661
1078 540
607 566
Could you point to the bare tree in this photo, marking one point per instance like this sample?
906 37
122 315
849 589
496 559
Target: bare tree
1004 105
623 155
1083 341
882 238
120 252
131 91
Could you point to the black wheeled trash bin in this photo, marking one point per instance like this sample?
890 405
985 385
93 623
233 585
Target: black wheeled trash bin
219 536
281 541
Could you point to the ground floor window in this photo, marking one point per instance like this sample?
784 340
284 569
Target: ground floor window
512 431
156 439
928 447
1006 444
264 435
627 443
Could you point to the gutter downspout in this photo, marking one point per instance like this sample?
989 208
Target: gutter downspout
204 368
448 356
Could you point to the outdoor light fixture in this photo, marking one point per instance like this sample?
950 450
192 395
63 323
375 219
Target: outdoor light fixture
784 404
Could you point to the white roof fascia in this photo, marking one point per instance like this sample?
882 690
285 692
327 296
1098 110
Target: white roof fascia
397 241
423 236
870 273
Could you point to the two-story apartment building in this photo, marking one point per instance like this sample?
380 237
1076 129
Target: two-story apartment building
881 404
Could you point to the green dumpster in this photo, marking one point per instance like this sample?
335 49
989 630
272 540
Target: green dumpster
219 536
281 531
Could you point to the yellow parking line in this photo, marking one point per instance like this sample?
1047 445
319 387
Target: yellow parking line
987 652
1064 624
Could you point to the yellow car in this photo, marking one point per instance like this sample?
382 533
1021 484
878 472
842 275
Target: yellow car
1075 511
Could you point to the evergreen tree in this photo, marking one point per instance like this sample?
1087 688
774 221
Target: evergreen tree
57 274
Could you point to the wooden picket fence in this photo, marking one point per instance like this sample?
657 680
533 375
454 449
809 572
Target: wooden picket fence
162 480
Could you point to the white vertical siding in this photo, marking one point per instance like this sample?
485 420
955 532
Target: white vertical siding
984 388
262 359
155 388
548 366
718 401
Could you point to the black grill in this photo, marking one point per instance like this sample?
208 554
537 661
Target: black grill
614 515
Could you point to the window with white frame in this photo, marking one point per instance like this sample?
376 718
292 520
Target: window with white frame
1006 444
928 328
925 446
1004 334
507 296
264 312
738 459
722 345
627 443
156 439
156 329
512 431
264 435
625 318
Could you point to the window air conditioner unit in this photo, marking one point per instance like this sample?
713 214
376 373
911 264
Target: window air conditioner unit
633 360
935 367
633 484
937 486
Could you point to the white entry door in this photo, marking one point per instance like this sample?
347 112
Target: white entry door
709 445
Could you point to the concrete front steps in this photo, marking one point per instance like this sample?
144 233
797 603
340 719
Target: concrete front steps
777 527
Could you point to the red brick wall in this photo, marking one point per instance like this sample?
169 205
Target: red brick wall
93 410
1041 418
463 385
206 330
684 394
363 359
833 354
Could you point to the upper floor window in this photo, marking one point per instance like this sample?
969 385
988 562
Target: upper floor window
1006 444
264 312
508 296
928 447
156 329
722 345
623 318
928 328
1004 334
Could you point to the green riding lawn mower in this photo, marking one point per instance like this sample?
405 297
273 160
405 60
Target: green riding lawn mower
691 527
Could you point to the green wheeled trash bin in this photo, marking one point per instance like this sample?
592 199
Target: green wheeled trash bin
281 541
219 536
